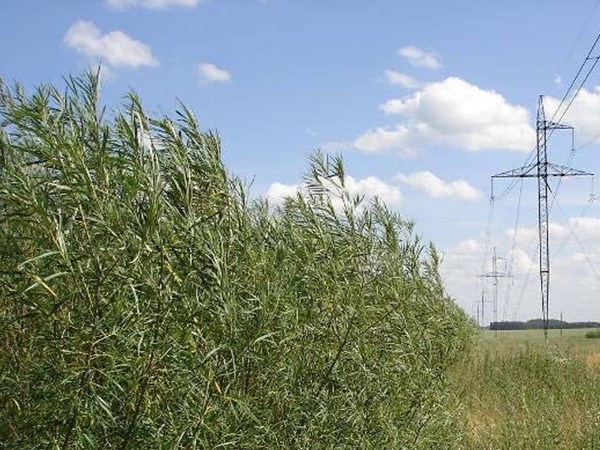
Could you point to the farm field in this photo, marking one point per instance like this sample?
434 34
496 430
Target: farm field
267 226
518 391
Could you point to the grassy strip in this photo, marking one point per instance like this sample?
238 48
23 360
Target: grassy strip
531 396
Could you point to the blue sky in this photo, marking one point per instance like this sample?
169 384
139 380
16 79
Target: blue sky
426 100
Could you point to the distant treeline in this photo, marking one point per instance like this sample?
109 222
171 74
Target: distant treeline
535 324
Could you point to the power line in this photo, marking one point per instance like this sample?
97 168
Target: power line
581 247
525 284
579 71
541 170
531 157
581 213
512 251
579 36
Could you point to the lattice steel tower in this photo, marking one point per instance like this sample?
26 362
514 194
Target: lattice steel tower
542 169
494 275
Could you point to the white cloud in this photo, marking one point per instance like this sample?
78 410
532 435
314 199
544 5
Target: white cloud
521 262
115 48
372 187
417 57
435 187
451 113
151 4
369 187
557 79
209 73
468 246
587 227
279 191
401 79
380 139
584 113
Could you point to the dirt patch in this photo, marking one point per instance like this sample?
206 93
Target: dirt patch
592 360
481 421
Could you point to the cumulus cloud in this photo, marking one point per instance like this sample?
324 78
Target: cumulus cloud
372 187
435 187
151 4
521 261
369 187
401 79
209 73
380 139
115 48
587 229
584 113
277 192
451 113
417 57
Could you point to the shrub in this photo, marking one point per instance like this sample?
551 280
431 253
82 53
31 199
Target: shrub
146 301
593 334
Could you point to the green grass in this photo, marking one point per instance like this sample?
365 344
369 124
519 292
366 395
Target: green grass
501 341
593 334
521 392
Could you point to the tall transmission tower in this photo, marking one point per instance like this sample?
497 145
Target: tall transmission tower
494 275
542 169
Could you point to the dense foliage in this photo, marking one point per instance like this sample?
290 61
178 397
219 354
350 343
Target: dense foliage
593 334
147 302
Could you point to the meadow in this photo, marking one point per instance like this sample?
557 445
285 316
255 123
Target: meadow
519 391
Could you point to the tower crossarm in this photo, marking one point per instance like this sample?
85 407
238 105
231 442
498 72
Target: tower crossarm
557 126
556 170
495 275
521 172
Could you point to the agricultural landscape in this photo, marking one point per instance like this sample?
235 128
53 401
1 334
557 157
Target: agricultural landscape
195 253
148 302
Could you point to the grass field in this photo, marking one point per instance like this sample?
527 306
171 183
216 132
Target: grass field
520 391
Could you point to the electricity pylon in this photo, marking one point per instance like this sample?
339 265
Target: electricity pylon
481 308
494 275
542 169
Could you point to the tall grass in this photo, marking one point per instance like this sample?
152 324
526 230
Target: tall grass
593 334
146 301
539 396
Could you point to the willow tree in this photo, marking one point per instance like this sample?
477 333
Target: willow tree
147 301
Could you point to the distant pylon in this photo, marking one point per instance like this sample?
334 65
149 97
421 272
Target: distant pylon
542 169
494 274
481 309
